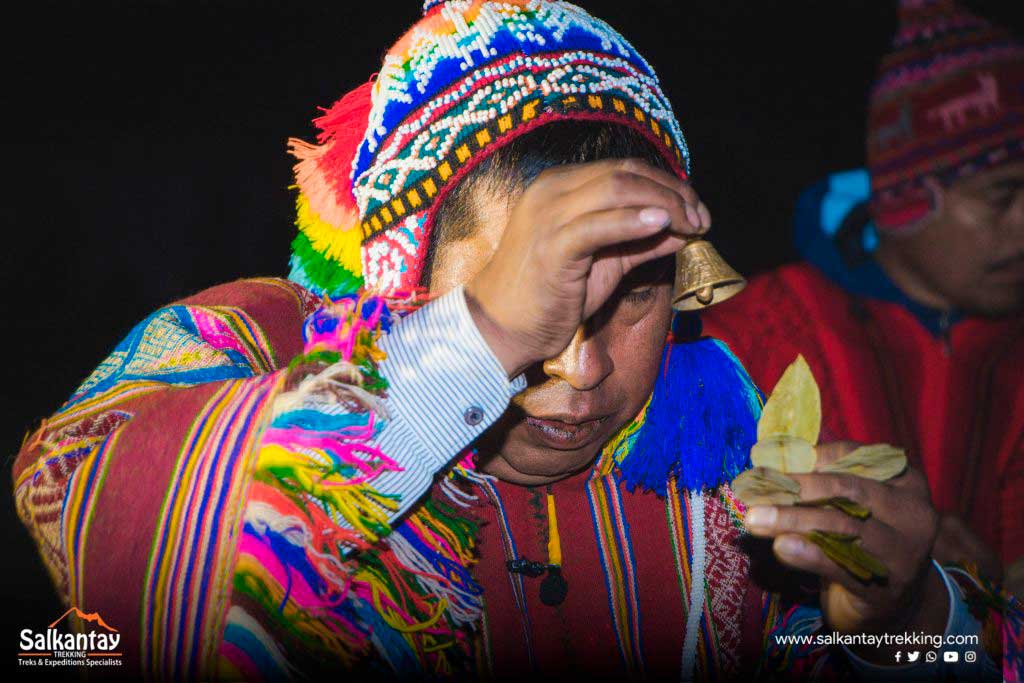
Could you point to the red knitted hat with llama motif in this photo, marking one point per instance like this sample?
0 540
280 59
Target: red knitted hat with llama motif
948 102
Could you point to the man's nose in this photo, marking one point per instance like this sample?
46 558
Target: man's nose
584 363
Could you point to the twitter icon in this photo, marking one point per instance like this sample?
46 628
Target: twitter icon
913 656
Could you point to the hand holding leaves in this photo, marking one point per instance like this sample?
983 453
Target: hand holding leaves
855 515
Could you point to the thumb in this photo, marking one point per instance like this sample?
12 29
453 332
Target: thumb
844 609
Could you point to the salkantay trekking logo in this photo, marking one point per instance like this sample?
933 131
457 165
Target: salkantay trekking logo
89 645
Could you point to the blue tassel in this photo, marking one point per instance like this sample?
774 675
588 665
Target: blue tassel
700 424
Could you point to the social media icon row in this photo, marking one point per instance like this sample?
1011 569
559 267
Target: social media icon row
932 656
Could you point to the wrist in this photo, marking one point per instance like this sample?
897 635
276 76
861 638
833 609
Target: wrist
501 341
930 611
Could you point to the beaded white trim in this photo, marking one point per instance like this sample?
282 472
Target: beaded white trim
620 67
416 146
695 609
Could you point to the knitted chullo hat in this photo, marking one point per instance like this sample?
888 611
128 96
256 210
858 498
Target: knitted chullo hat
468 77
948 102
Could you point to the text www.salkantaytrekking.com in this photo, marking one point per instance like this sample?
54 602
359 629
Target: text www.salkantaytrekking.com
933 640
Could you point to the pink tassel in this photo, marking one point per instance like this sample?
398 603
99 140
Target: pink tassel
323 200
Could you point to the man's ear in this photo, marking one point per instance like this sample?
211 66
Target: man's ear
937 196
930 204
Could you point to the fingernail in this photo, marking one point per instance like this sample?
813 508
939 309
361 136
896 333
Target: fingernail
654 216
789 545
692 216
761 516
705 216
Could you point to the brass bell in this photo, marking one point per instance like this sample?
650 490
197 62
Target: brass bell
703 277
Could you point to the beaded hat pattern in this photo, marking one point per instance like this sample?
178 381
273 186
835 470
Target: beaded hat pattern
470 76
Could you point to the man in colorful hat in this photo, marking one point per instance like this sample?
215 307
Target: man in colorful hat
909 303
461 440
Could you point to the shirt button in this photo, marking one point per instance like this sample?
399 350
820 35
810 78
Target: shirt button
474 415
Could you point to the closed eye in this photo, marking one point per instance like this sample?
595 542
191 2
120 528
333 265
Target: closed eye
637 296
1002 200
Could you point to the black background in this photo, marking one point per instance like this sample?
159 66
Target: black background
144 150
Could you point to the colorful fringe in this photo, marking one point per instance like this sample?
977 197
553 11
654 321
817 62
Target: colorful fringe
697 428
324 263
317 557
326 253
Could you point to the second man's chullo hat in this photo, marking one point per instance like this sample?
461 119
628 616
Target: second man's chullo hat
948 103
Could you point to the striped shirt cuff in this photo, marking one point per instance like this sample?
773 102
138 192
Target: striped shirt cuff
445 386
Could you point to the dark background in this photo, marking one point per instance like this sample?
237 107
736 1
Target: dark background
146 159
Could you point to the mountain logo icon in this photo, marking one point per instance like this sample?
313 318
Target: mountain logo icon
90 617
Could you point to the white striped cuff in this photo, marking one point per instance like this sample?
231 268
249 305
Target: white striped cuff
445 386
